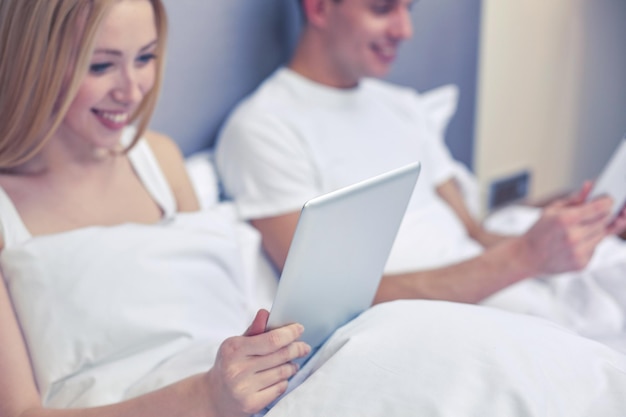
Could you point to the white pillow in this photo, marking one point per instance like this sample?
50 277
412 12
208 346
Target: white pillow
256 266
441 104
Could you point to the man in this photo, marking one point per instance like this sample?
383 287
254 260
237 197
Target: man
325 121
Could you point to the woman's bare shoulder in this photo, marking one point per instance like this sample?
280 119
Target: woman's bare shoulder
172 162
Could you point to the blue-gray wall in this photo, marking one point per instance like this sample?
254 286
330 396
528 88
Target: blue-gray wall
602 116
219 50
444 49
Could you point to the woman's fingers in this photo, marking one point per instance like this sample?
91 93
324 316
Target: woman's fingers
252 371
284 355
258 324
273 340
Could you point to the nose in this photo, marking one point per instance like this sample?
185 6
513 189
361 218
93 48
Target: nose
402 27
128 90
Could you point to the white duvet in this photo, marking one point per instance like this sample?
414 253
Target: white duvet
427 358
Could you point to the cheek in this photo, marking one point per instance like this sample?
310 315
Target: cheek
87 96
79 106
147 77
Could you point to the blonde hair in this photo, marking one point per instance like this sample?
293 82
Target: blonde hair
45 51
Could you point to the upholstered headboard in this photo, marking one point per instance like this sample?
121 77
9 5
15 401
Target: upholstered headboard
220 50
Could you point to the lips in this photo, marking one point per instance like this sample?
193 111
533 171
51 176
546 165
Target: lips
112 120
386 53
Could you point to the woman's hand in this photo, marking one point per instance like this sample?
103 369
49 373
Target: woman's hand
252 370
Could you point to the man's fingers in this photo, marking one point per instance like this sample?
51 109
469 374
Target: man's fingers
587 246
584 191
618 225
596 211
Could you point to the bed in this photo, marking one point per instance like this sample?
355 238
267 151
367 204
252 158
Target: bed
477 362
462 360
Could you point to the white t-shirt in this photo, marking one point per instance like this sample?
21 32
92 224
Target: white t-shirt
294 139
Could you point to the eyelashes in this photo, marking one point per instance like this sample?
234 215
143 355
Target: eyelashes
102 67
99 68
145 58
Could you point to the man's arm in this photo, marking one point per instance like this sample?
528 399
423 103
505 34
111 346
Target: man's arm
277 233
563 239
450 192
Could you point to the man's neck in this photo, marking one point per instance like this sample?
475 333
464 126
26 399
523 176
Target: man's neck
311 61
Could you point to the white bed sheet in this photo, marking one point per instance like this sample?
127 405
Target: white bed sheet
591 302
436 359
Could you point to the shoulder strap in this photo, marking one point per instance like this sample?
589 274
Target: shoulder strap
12 227
149 172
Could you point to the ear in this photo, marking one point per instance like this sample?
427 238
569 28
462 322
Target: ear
316 11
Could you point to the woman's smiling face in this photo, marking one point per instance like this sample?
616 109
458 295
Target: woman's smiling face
121 72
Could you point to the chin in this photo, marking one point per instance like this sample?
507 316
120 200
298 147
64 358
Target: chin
379 70
378 73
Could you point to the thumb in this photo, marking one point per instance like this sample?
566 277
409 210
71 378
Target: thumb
584 191
258 324
577 197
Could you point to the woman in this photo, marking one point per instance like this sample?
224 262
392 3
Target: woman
119 297
67 97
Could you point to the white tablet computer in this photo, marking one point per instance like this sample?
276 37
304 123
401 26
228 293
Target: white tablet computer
338 253
612 180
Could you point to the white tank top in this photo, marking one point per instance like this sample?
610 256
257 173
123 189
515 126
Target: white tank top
144 162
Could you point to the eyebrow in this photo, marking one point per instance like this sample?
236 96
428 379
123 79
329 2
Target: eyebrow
119 53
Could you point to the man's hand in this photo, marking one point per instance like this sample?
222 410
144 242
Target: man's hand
488 239
252 370
618 225
567 233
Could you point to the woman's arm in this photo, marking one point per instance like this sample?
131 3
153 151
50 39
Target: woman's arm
249 373
18 391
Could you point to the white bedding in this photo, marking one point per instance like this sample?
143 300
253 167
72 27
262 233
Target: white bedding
591 302
428 359
459 360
